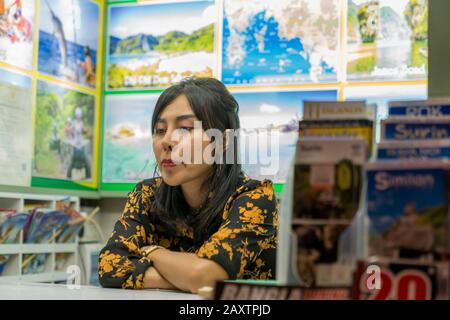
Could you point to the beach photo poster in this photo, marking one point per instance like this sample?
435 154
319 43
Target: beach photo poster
387 40
68 40
15 129
269 129
127 140
156 45
64 133
16 32
280 42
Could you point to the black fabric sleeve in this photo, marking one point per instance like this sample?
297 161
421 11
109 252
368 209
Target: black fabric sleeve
120 262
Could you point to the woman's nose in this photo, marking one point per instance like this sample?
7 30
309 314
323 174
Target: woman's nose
167 142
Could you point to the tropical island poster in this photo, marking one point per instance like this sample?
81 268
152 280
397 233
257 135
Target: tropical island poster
68 40
127 139
387 40
156 45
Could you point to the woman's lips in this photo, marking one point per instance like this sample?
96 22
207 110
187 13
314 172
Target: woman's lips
167 163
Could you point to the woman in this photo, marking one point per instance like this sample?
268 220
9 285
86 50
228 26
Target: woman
199 222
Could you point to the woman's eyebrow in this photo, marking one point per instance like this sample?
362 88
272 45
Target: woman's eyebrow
185 116
178 118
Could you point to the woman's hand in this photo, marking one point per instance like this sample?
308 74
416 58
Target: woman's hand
185 270
154 280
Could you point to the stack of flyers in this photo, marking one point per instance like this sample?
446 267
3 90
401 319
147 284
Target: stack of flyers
408 209
358 129
43 223
338 110
69 233
414 150
36 265
351 119
11 224
41 228
328 178
437 107
407 129
327 189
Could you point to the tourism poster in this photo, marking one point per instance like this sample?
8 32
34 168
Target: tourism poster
15 129
381 95
269 123
280 42
127 140
156 45
387 40
64 133
68 40
16 32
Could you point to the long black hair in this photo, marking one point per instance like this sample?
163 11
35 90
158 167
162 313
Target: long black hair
216 108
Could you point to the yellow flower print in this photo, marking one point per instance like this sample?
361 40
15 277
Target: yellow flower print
223 233
228 249
251 214
208 250
124 223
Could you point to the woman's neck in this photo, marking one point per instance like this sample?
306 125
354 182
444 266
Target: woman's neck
195 193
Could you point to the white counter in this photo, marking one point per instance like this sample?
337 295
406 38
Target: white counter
41 291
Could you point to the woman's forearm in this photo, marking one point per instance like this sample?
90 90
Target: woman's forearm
154 280
185 270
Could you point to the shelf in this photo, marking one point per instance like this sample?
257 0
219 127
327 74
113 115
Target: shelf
38 248
38 277
57 255
113 194
51 192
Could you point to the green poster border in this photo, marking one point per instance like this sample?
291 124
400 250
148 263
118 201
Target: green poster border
59 184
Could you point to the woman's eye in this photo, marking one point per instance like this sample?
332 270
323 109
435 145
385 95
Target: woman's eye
185 129
159 131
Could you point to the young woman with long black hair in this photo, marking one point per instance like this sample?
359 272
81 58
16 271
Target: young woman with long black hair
197 223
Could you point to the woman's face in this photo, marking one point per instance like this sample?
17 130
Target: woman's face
174 130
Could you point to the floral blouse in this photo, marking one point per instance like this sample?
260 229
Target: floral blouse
244 244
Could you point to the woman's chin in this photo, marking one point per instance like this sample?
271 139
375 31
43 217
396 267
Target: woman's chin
170 178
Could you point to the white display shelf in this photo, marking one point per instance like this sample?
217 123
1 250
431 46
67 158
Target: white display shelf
17 251
38 248
38 277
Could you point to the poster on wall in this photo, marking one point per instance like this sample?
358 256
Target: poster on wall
269 123
282 42
16 32
381 95
127 140
156 45
68 40
64 133
387 40
15 129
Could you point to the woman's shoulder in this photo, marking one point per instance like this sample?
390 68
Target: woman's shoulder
253 195
147 185
140 198
255 189
145 189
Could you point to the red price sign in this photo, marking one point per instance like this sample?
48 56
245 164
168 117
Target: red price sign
392 281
